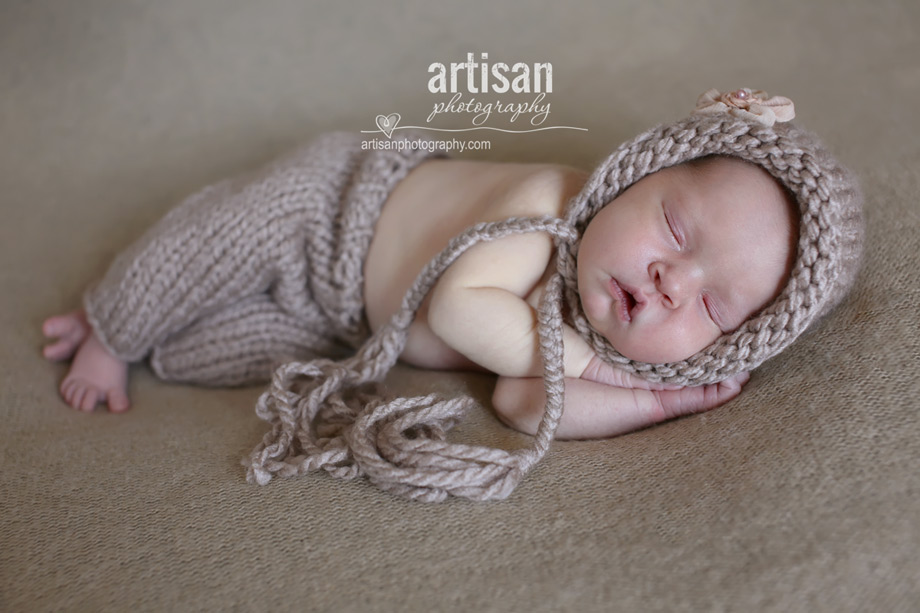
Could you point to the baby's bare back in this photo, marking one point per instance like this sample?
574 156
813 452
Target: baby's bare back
437 201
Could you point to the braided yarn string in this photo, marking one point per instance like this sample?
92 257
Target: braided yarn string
323 418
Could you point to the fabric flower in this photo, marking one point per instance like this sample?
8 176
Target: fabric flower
754 105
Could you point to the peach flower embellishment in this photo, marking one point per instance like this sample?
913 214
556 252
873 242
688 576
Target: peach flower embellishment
754 105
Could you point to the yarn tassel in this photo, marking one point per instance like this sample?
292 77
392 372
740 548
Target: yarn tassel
324 417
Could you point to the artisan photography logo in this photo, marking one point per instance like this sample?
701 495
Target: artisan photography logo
479 95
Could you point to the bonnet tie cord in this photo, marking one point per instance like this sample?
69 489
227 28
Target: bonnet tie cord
324 414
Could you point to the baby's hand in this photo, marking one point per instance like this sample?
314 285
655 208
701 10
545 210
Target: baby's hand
600 371
619 404
666 401
687 400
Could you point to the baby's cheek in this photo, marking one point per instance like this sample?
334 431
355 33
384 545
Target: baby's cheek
668 340
691 338
594 306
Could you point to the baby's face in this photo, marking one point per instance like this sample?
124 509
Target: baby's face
683 256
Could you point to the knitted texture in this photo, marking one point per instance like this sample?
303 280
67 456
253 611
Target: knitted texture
255 270
323 418
259 268
828 252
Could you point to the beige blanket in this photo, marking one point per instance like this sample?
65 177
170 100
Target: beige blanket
801 495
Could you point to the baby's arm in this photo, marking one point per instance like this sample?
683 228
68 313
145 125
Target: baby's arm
479 308
600 410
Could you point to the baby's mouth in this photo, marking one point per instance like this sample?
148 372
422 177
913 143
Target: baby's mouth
630 302
625 301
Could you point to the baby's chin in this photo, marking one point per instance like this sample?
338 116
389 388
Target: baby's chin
662 356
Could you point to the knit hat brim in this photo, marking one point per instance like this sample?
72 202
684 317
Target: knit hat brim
827 257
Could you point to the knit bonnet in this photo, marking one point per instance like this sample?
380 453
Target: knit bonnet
752 126
325 415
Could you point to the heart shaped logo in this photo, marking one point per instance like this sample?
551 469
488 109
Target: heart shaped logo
388 123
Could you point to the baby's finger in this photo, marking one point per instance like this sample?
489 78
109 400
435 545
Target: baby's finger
687 400
737 380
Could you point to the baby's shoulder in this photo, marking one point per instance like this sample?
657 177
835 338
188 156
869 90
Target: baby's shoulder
516 262
540 189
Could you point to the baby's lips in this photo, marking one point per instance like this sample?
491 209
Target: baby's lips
620 298
639 298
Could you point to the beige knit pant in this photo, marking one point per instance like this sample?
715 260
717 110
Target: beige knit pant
253 271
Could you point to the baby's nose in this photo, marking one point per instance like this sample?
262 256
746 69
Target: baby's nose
676 282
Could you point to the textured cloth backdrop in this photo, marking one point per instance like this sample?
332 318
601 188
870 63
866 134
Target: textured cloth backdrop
802 494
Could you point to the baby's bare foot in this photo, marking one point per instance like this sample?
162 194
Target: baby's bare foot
95 375
69 331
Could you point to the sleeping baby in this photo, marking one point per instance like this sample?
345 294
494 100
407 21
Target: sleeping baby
692 254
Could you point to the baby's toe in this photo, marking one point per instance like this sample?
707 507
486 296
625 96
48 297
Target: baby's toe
78 390
60 325
118 401
71 327
68 387
90 398
79 394
60 350
50 326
